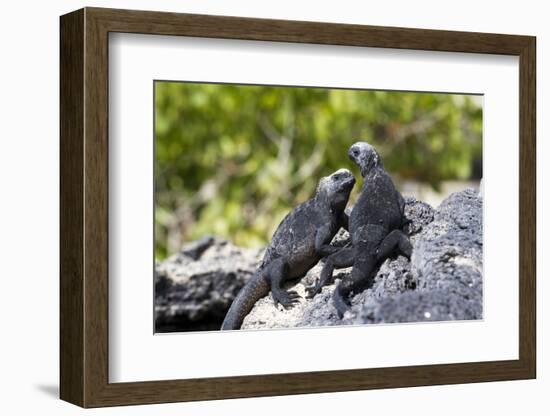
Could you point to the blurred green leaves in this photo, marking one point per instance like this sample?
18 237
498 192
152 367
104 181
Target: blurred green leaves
233 160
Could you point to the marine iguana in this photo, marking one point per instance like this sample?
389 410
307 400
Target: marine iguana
301 240
375 225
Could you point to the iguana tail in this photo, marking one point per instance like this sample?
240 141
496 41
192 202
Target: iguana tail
256 288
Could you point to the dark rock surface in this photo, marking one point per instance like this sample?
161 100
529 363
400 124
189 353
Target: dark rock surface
194 288
443 280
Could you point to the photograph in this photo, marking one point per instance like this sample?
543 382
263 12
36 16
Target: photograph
280 207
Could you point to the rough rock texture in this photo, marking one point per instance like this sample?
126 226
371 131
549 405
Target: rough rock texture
443 280
194 288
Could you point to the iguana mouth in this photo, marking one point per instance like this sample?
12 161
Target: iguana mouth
348 183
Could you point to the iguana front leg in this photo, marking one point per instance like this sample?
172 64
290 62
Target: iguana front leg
333 255
323 237
276 273
340 259
368 239
361 278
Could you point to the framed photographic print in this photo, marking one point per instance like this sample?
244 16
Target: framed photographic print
255 207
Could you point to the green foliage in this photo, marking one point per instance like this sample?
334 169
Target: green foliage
233 160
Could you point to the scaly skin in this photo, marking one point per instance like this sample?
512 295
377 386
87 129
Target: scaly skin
300 241
375 226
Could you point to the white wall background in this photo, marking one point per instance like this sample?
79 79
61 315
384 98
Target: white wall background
29 159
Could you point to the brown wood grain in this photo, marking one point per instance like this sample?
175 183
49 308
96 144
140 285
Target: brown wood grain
84 207
527 208
71 219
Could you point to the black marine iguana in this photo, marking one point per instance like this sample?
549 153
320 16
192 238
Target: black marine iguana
375 226
300 241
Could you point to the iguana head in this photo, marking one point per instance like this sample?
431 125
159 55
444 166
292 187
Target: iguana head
336 187
365 156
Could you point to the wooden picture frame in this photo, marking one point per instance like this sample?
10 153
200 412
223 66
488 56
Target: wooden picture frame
84 207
